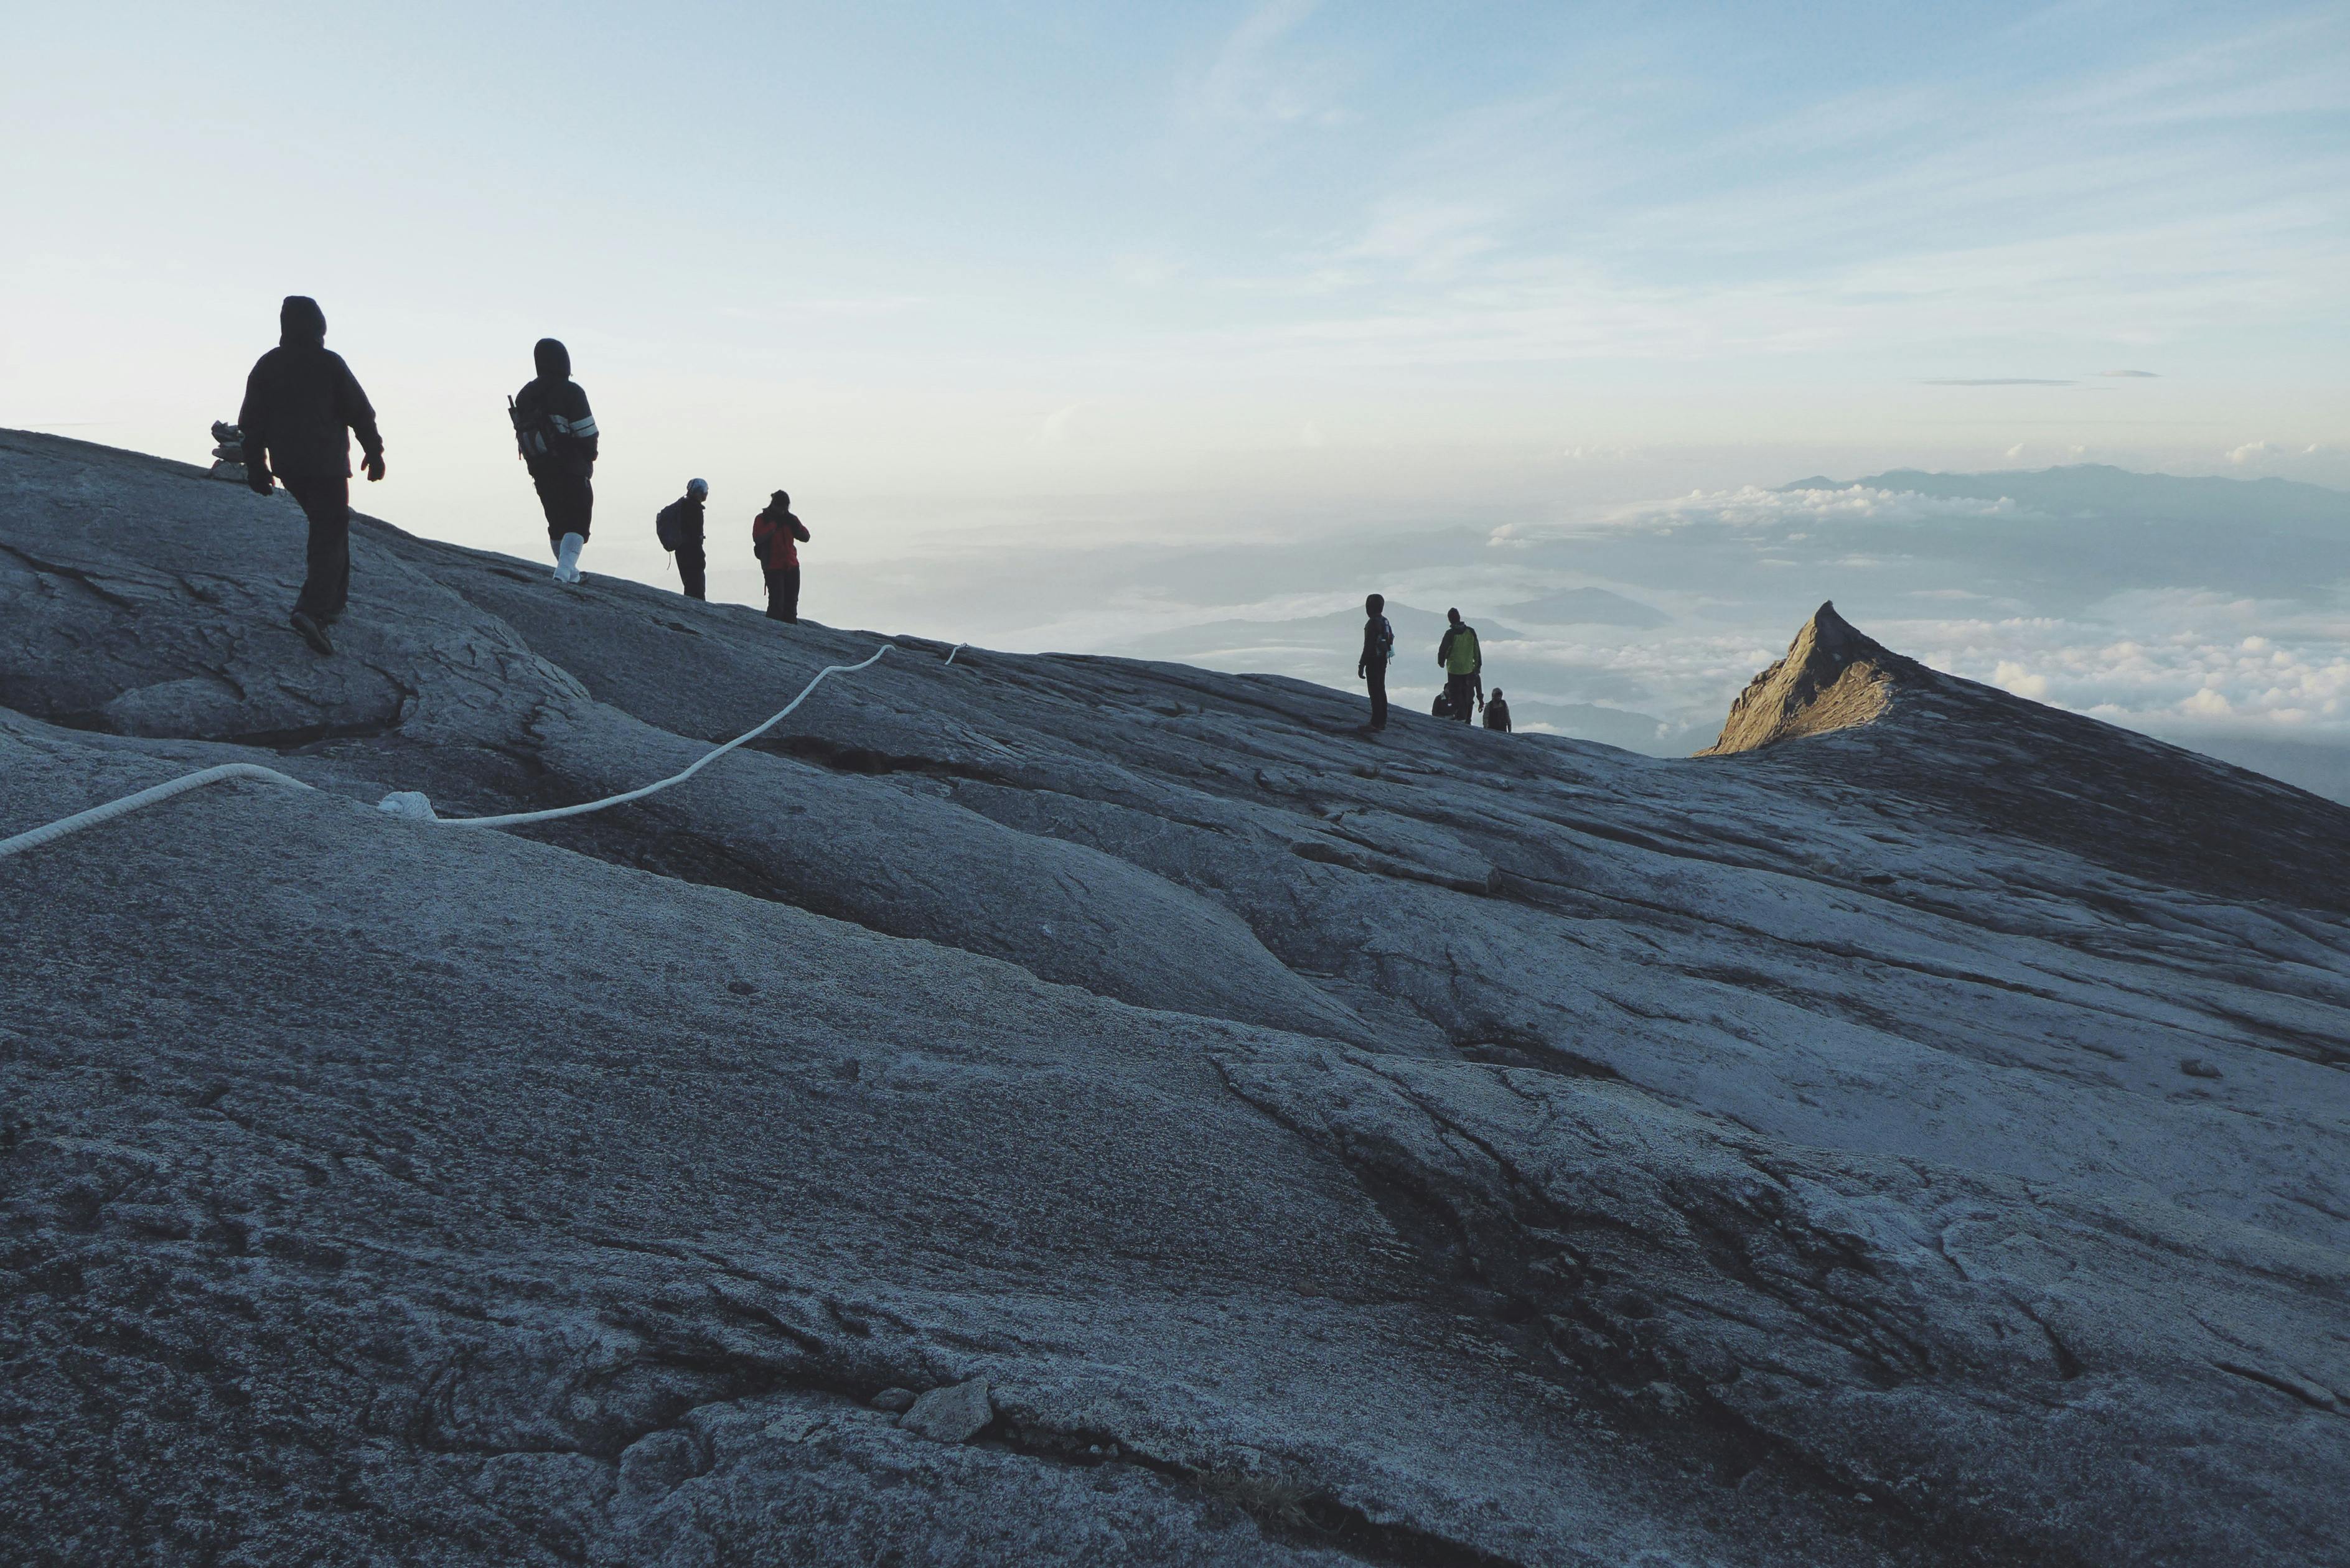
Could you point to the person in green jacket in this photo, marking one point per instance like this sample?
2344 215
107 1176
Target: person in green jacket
1464 667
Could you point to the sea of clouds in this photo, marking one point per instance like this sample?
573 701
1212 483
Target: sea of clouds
2211 612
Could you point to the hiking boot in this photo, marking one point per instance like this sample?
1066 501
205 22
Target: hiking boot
312 632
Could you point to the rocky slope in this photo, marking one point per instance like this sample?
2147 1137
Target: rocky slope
1921 1141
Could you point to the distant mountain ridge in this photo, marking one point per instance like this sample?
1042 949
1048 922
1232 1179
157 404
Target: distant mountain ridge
2100 490
1587 606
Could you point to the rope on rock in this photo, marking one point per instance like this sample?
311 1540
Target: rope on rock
35 837
416 808
411 804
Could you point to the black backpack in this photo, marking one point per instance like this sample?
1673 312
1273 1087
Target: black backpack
534 431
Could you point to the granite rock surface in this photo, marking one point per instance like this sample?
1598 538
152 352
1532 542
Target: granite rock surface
1919 1134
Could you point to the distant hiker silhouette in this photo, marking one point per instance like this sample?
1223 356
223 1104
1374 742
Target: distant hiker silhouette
556 436
1443 707
300 402
1378 647
1497 712
775 538
1464 664
678 527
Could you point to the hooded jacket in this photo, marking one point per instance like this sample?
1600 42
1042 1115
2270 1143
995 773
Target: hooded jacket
564 403
301 401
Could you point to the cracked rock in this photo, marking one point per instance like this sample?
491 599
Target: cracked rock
955 1413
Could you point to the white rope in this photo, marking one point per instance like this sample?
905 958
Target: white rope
417 808
411 804
35 837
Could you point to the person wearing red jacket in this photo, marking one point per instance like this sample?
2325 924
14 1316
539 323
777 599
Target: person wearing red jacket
775 539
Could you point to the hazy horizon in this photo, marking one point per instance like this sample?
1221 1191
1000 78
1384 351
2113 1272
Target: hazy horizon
1167 312
933 266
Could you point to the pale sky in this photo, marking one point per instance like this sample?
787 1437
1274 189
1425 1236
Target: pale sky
1216 268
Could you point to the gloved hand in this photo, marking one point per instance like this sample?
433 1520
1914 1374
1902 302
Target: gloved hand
258 480
374 466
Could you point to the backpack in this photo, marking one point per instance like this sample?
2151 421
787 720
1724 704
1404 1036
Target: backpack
1452 635
1386 640
534 431
662 527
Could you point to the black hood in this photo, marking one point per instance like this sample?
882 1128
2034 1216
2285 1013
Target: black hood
553 360
300 323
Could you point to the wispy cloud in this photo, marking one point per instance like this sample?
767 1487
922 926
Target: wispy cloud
853 306
1253 81
2131 375
1937 209
1430 236
1751 509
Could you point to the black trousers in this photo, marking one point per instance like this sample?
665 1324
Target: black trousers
693 566
567 499
1377 677
784 593
326 501
1462 691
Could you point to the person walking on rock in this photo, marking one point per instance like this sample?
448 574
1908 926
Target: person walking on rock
775 538
1497 712
678 528
556 434
301 405
1378 647
1464 664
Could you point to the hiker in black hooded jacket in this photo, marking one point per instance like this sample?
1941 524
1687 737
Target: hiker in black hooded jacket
556 433
301 402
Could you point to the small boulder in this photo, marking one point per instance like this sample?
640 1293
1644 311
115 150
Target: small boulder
894 1401
952 1415
2196 1067
657 1464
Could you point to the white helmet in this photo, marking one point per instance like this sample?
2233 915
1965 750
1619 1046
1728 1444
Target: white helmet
697 487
